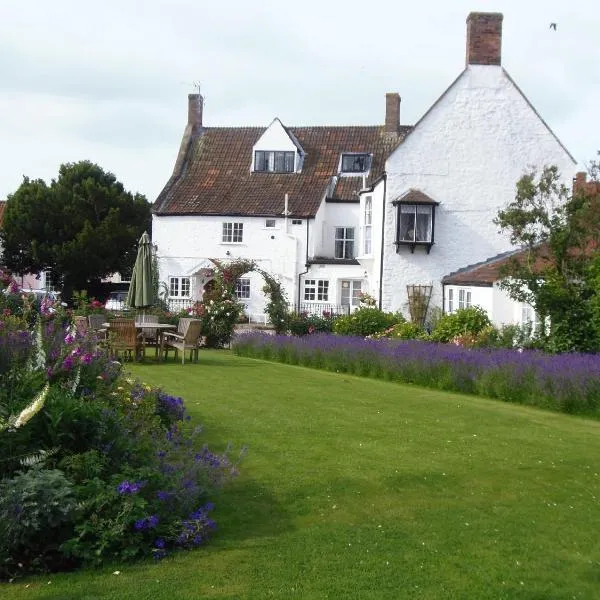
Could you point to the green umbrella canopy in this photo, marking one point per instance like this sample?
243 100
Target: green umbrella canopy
141 290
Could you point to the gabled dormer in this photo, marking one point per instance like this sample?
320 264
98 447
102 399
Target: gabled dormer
277 151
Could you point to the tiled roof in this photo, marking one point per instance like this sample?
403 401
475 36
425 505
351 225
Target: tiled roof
414 196
216 180
485 273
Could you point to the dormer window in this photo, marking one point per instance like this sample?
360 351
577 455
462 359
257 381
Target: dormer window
355 162
273 161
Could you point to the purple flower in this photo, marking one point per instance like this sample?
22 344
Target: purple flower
87 358
126 487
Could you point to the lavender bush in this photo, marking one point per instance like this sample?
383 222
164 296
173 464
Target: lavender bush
567 382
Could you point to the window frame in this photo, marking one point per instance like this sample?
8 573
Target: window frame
180 286
355 156
367 238
274 161
412 244
317 288
242 288
464 298
346 242
232 230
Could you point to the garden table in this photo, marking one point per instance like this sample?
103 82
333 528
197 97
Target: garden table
160 329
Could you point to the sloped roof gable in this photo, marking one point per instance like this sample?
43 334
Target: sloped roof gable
216 180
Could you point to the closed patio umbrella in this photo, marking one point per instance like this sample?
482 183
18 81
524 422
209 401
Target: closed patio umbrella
141 289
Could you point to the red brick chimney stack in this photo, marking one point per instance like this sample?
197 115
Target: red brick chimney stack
195 104
392 113
484 38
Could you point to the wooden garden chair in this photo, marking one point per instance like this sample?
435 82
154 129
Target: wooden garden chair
187 340
123 337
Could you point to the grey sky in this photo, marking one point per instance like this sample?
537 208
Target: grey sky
108 81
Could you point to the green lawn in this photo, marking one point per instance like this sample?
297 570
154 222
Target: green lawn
355 488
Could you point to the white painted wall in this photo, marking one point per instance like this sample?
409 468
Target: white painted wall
467 153
186 243
501 309
335 215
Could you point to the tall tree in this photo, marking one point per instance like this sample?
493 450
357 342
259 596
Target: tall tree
557 232
83 226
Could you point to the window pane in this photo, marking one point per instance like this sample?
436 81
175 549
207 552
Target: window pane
450 300
424 223
279 162
407 224
227 231
368 233
323 290
289 162
309 289
173 286
242 288
368 210
355 163
345 295
259 160
185 286
238 232
270 223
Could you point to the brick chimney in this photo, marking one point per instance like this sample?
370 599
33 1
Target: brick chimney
192 129
195 104
392 113
484 38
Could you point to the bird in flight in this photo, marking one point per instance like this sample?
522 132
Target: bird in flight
553 26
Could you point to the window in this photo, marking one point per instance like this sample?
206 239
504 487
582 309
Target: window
450 300
355 163
316 289
530 318
296 221
270 223
368 225
233 233
351 290
464 298
179 287
344 242
415 223
274 162
49 284
242 288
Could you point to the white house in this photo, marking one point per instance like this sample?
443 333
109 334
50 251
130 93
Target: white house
334 211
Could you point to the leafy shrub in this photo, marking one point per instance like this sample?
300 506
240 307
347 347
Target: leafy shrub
465 321
115 471
37 510
305 324
366 321
403 331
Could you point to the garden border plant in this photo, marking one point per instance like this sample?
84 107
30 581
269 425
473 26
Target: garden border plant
567 383
94 466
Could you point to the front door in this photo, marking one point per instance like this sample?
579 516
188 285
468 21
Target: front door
351 289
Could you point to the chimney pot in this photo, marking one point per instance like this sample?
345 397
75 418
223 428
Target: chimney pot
195 104
484 38
392 113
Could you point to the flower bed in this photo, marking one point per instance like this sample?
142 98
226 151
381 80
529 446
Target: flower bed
567 383
94 466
